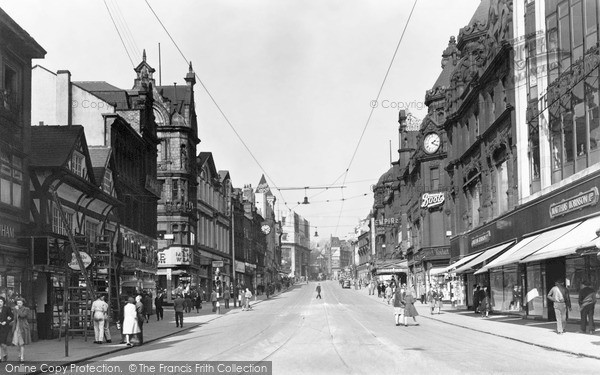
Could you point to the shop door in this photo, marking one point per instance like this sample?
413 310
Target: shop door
555 270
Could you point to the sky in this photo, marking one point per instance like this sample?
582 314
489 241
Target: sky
294 79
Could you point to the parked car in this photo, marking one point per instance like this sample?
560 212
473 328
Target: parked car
346 283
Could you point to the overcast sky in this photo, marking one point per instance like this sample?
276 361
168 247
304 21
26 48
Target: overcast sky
295 79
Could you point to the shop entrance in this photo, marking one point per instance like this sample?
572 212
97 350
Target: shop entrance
555 270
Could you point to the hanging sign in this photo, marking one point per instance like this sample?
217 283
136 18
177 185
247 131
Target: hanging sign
85 258
429 200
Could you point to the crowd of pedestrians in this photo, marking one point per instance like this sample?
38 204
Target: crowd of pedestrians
14 327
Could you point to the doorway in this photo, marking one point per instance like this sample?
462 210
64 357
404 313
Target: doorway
555 270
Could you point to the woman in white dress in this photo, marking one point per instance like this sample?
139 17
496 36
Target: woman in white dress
130 321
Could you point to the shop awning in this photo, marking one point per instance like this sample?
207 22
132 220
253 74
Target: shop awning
568 243
527 246
460 262
437 271
487 254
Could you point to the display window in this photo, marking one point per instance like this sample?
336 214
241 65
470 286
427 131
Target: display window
535 298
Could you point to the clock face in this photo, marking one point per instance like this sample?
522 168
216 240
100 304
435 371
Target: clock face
431 143
266 229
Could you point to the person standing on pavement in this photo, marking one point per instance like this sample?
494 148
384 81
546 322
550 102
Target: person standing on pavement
158 304
248 296
431 298
318 290
147 302
587 303
130 321
178 307
99 313
227 295
388 293
21 331
485 305
213 300
139 308
188 303
6 318
399 305
560 296
476 298
409 308
198 302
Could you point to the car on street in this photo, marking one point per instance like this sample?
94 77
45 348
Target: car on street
346 283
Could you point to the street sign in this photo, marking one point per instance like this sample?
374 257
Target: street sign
217 264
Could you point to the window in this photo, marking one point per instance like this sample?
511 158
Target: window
58 226
91 230
107 181
435 178
502 187
11 179
174 189
77 164
472 193
591 28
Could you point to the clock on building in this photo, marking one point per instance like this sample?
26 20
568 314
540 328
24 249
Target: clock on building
266 228
431 143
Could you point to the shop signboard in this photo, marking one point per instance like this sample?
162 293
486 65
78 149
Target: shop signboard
574 203
175 255
85 258
217 264
481 239
240 266
429 200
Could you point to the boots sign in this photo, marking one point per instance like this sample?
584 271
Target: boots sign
429 200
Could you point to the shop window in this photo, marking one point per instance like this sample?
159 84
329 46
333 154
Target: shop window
11 179
536 292
575 268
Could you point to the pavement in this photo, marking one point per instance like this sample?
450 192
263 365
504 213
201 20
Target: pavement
540 333
81 350
513 327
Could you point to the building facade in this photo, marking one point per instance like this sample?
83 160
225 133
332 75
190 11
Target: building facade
295 244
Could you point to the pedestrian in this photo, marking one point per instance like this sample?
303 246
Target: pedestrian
248 295
431 298
227 295
198 302
179 308
439 301
587 303
213 299
6 319
476 298
139 308
241 298
318 290
559 295
388 293
399 305
21 334
485 305
99 313
188 303
158 304
409 308
147 302
130 321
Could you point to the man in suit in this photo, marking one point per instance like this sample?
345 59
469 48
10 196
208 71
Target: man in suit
178 306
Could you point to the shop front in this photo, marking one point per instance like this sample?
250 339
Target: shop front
537 251
178 270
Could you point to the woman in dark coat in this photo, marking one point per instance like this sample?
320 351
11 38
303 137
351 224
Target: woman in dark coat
409 308
6 317
486 303
21 332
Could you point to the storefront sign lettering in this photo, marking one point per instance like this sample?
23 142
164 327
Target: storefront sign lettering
217 264
481 239
564 207
391 221
86 259
432 199
7 231
175 256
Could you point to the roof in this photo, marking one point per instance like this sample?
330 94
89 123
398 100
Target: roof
99 156
107 92
34 49
206 157
52 145
96 86
482 12
443 79
177 94
223 175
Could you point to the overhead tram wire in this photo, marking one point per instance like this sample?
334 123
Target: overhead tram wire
119 33
126 30
217 106
377 99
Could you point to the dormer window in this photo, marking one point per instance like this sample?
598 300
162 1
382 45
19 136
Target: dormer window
107 181
77 164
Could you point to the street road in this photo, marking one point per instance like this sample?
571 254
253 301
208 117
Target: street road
349 332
